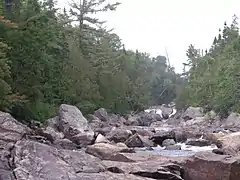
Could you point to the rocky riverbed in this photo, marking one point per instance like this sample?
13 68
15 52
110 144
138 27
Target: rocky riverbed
190 145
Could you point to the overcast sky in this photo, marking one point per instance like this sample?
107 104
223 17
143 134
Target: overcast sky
153 25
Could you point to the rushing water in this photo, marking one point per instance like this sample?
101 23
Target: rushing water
186 150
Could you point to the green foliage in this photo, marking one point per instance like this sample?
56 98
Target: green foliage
5 74
53 60
213 78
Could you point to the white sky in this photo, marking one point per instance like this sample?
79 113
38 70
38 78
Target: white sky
152 25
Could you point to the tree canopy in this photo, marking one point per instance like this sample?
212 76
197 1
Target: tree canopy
50 56
214 77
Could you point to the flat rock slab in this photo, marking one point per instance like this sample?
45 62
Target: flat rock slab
109 176
206 165
36 161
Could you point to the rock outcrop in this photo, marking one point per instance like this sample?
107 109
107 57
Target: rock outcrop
108 146
213 167
74 125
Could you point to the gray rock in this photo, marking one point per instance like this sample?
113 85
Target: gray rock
119 135
74 125
101 139
143 119
160 136
198 142
52 129
105 151
138 141
168 142
109 176
207 165
102 114
36 161
65 144
193 112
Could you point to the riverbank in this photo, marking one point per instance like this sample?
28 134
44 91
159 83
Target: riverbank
189 146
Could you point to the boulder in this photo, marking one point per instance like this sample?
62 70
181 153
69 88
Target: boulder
119 135
116 120
52 129
74 125
192 112
213 137
94 122
5 160
101 139
143 119
168 142
10 129
138 141
207 165
198 142
142 130
160 136
230 143
211 116
122 145
105 130
106 151
196 121
166 109
180 135
148 169
232 122
34 160
102 114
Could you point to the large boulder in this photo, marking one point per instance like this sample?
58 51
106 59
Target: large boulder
232 122
141 130
107 119
143 119
116 120
102 114
138 141
213 137
36 161
95 122
74 125
5 161
10 129
52 129
160 136
157 169
10 132
101 139
207 165
192 112
119 135
230 143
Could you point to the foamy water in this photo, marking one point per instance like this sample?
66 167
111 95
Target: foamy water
197 148
186 150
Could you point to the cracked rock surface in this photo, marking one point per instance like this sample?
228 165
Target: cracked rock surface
68 149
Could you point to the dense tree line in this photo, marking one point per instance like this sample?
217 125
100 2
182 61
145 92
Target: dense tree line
214 75
50 56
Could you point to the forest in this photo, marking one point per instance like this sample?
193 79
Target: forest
51 56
